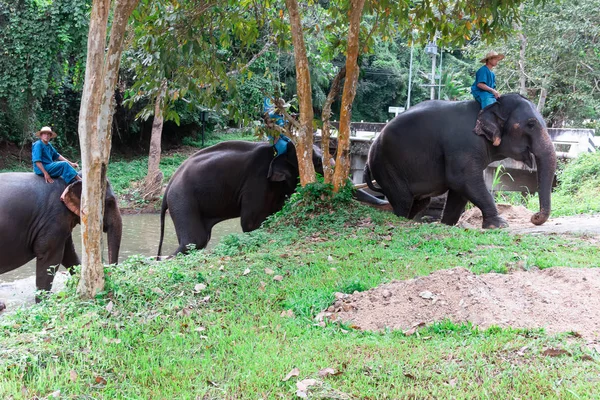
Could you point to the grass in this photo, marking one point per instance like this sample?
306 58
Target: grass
157 333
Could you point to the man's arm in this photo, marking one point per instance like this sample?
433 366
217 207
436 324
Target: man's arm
486 88
72 164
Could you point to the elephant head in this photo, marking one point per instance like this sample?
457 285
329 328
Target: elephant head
517 130
112 225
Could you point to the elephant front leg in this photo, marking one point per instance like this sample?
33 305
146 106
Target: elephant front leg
70 257
478 194
45 269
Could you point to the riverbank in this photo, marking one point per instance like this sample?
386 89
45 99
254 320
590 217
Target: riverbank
246 319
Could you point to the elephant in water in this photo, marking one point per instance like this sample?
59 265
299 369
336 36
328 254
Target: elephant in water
36 221
228 180
440 146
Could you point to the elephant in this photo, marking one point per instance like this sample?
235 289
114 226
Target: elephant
228 180
36 221
440 146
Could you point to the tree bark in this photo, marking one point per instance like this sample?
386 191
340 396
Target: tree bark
95 121
304 135
542 99
326 118
342 164
522 76
153 182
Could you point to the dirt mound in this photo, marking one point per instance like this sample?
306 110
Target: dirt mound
558 299
514 215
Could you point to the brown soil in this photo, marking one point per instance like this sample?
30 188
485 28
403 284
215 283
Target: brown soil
557 299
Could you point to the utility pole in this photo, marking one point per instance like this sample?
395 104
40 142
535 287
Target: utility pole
431 49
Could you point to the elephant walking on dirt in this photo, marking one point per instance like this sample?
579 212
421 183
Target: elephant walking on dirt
36 221
440 146
228 180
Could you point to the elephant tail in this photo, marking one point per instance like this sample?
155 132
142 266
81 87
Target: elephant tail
163 212
369 181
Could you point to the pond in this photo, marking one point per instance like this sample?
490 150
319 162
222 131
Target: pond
141 233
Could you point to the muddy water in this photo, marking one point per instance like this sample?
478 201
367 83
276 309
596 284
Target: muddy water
141 233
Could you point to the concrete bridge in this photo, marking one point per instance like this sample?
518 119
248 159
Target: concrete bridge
568 143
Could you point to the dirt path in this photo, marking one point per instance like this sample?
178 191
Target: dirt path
557 299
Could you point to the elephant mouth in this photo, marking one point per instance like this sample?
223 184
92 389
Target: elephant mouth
527 158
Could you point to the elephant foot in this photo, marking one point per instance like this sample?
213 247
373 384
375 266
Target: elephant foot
494 223
2 306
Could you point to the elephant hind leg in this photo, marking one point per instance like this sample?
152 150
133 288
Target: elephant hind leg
418 206
455 206
399 196
195 232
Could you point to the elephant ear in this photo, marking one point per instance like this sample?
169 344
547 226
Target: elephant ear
280 170
490 123
72 197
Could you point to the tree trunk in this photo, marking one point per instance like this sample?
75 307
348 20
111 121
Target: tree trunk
522 76
342 164
542 100
325 117
304 136
95 121
153 182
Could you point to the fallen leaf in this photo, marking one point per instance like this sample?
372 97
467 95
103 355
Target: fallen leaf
288 313
246 272
329 258
109 306
100 380
409 376
587 357
413 329
269 271
305 384
521 351
55 394
326 372
278 278
550 352
158 291
206 299
73 376
262 286
294 372
200 329
301 394
199 287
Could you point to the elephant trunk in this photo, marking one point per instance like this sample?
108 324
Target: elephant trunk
545 159
114 230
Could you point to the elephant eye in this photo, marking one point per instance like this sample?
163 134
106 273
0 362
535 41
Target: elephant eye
531 123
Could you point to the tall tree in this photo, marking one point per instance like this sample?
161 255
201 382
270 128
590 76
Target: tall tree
95 120
342 168
304 136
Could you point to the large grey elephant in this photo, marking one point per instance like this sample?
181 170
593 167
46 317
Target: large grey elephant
440 146
228 180
36 223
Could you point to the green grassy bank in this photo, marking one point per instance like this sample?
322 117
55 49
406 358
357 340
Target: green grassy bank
210 325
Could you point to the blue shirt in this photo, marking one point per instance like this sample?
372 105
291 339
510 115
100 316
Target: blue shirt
45 153
484 75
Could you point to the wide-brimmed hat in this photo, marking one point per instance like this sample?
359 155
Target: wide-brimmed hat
492 54
46 129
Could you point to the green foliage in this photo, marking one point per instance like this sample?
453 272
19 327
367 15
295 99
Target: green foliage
41 69
561 50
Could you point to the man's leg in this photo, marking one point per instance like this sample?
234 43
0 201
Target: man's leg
61 169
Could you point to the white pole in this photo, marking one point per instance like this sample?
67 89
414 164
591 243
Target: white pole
432 95
412 49
440 81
